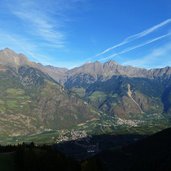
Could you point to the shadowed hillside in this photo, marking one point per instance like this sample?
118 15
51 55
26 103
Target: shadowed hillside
101 153
150 154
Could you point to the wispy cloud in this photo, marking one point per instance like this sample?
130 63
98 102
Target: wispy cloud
37 28
137 46
44 20
137 36
39 22
19 44
154 57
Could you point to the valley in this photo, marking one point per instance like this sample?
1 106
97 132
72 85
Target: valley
85 85
46 104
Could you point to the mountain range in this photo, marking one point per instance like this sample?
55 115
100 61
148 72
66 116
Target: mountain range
35 98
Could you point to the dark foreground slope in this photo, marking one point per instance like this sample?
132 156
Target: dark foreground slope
30 158
150 154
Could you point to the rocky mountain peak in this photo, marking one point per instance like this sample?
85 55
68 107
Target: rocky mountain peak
96 68
11 58
88 68
111 63
92 69
8 50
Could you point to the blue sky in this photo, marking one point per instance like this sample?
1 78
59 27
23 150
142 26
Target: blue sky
68 33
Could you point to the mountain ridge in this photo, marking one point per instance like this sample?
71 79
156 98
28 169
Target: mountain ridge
102 93
95 69
31 101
